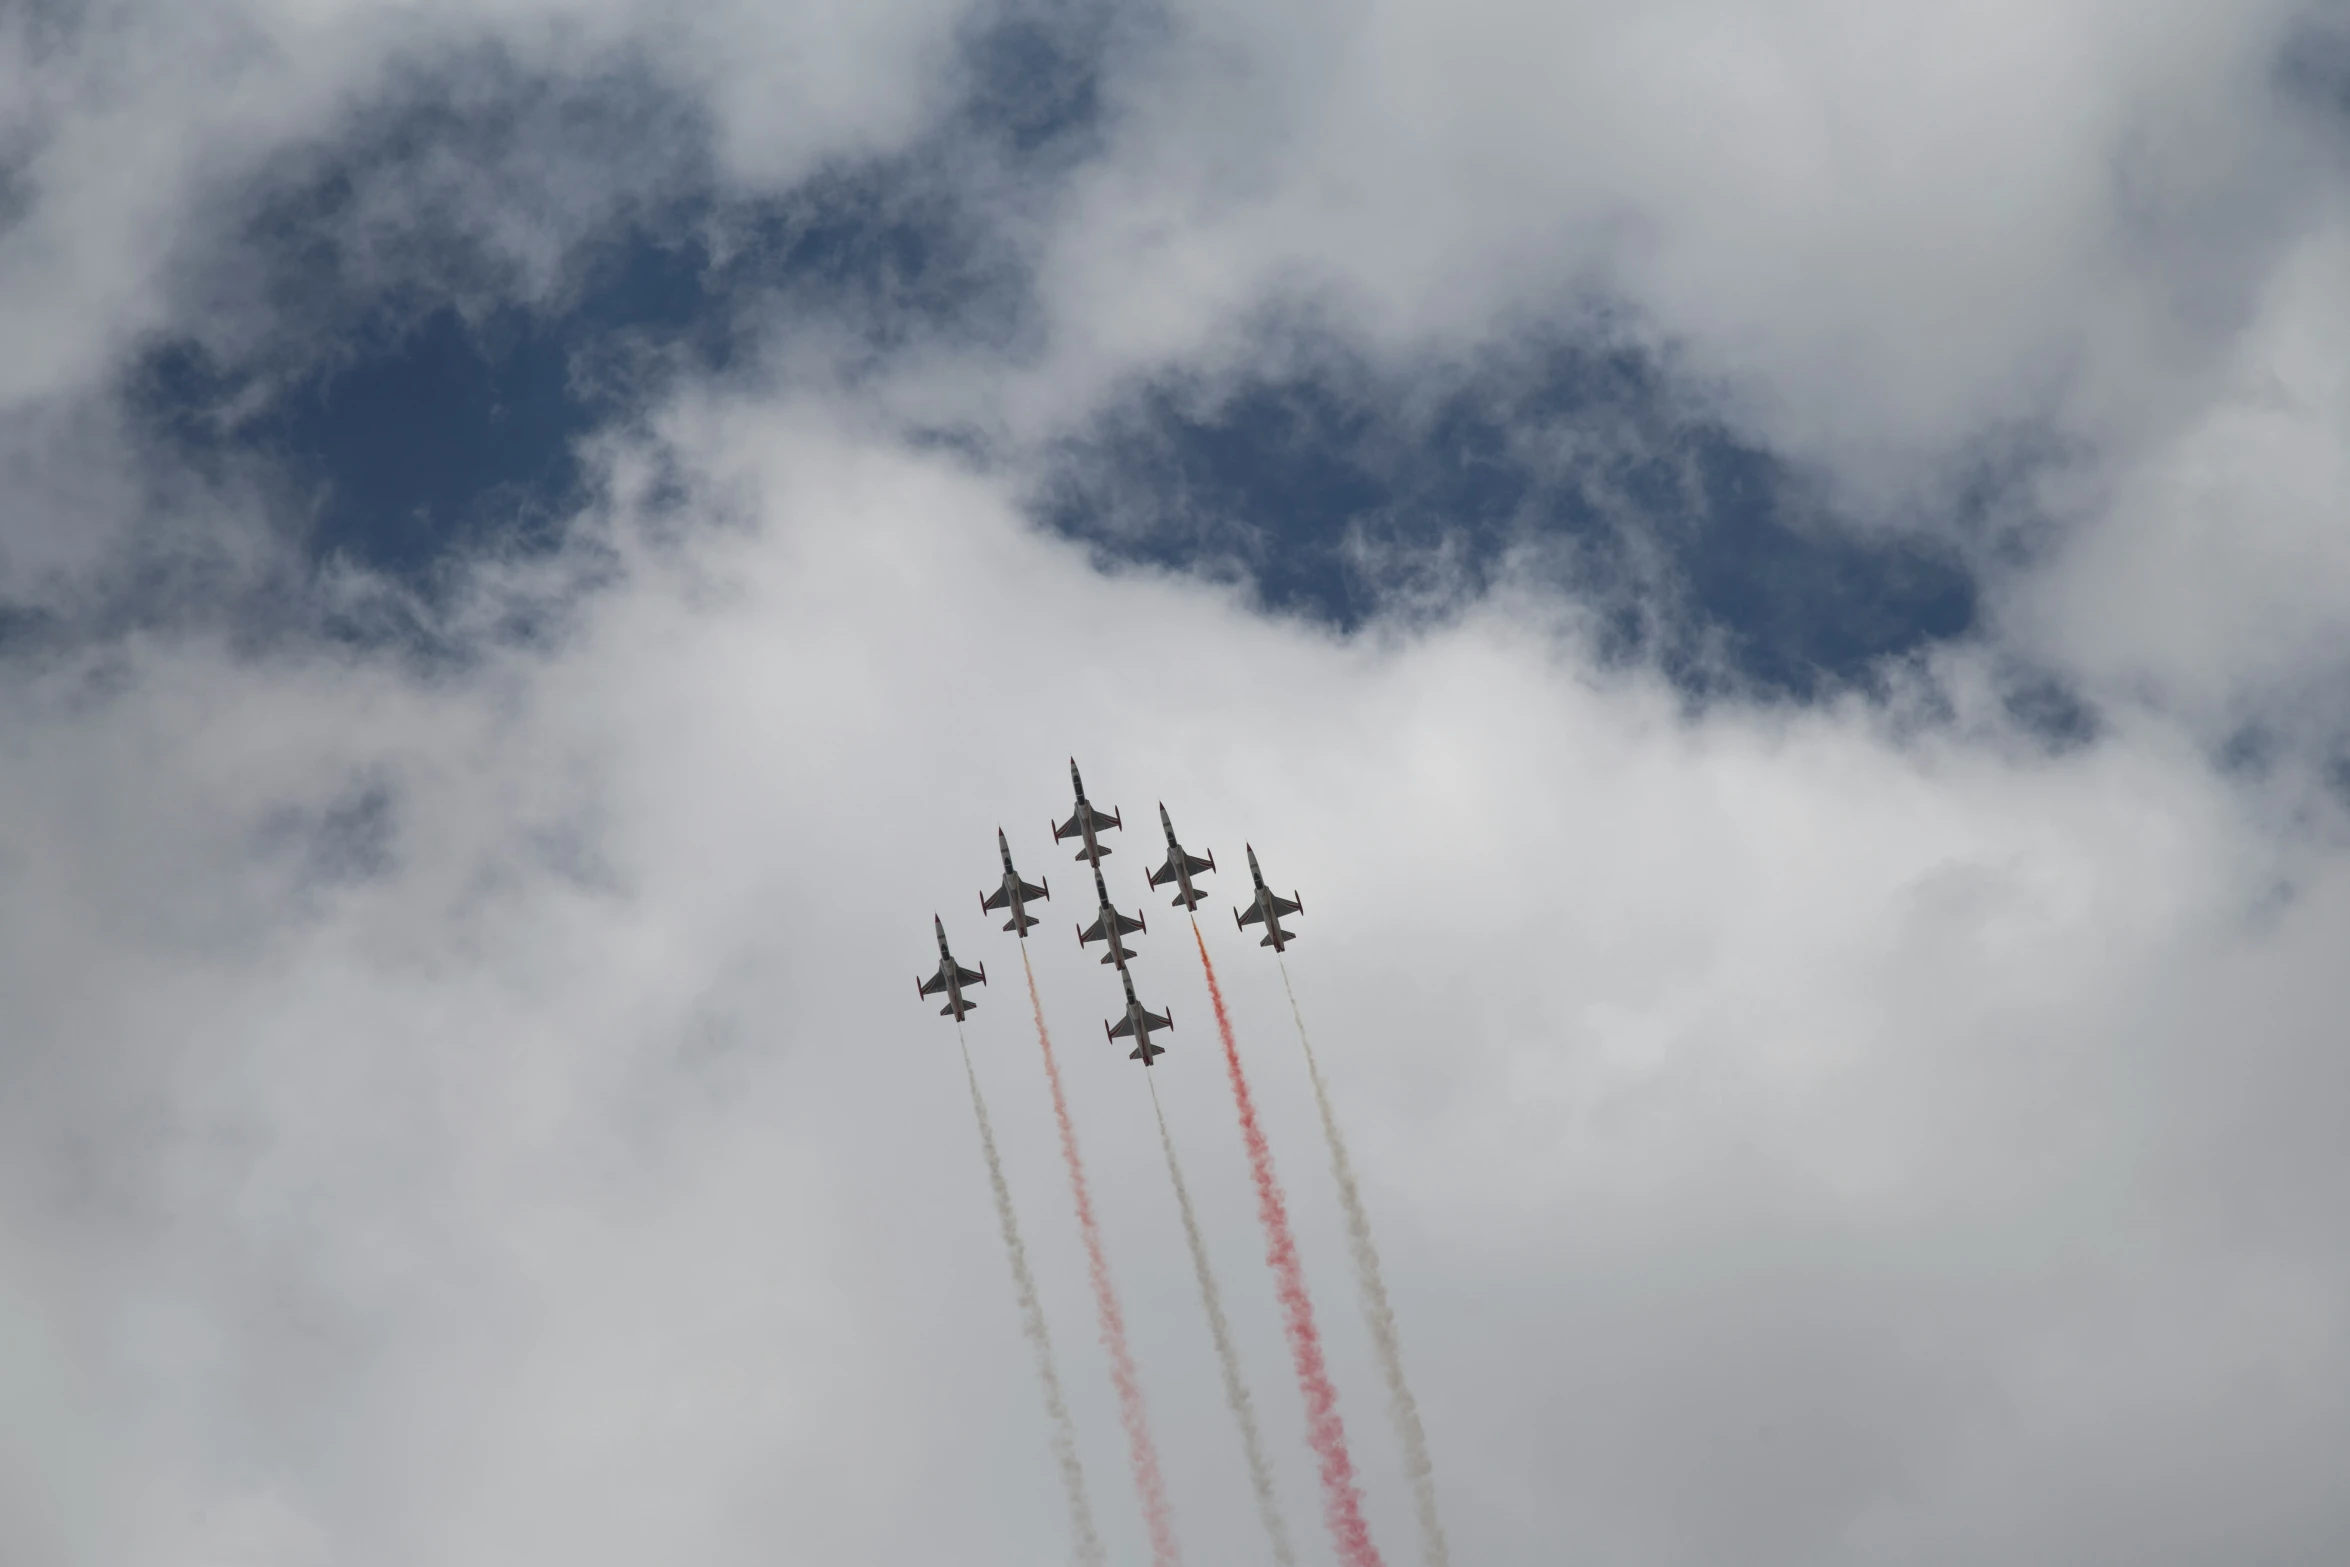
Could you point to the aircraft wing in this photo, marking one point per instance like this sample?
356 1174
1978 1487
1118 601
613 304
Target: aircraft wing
1127 927
1192 865
1076 825
1093 932
1000 898
1124 1027
1077 822
1253 915
964 976
1282 905
936 982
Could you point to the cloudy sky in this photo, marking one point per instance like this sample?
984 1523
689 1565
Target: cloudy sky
1775 573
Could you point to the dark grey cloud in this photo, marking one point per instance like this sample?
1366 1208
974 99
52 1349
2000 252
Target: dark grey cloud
2314 60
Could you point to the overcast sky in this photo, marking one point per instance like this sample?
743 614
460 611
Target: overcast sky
1776 575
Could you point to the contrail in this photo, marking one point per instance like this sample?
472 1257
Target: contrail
1087 1539
1342 1501
1149 1482
1244 1412
1402 1408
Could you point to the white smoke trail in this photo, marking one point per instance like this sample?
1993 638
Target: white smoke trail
1402 1408
1244 1412
1087 1539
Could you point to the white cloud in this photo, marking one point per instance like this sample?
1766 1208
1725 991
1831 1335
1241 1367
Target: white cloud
1886 229
2213 574
139 144
1788 1139
479 1116
136 121
1906 247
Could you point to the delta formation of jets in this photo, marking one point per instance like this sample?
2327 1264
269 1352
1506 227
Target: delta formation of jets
1086 824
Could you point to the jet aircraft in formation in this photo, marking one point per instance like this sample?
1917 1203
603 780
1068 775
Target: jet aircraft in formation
1180 867
951 977
1108 925
1137 1024
1086 822
1267 906
1013 895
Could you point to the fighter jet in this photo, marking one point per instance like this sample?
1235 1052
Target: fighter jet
1137 1024
951 978
1109 925
1181 867
1013 894
1085 822
1267 906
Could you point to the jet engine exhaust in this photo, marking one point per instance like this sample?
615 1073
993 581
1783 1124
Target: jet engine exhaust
1402 1408
1086 1539
1342 1502
1236 1394
1149 1482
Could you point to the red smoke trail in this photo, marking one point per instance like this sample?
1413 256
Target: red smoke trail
1342 1501
1157 1515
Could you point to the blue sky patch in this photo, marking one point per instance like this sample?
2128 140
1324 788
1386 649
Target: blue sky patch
419 406
1342 492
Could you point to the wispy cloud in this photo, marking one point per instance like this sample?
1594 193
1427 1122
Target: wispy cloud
462 1100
